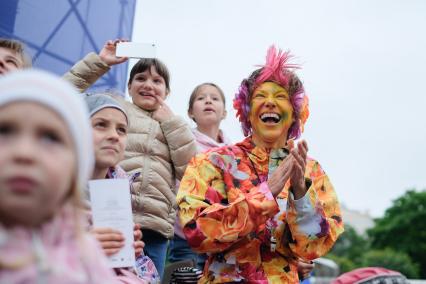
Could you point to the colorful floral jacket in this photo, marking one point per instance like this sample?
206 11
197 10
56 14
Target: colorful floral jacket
228 211
204 143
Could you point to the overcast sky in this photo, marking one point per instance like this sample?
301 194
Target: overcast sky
363 67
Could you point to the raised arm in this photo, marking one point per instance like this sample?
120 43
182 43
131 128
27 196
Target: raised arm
93 66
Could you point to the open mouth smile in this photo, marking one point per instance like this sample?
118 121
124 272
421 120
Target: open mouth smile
270 117
147 95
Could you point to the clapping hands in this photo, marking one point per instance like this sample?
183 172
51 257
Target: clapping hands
293 169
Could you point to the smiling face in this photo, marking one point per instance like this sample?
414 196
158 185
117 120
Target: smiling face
37 162
208 107
9 61
109 137
271 115
146 87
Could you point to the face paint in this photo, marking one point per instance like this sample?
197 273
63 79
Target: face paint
271 115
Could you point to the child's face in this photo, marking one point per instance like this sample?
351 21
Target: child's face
208 107
9 61
146 87
37 162
110 136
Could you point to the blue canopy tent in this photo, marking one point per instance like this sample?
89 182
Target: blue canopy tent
59 33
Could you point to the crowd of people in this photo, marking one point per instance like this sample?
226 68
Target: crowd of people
257 211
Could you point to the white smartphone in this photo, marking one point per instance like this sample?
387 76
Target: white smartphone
135 50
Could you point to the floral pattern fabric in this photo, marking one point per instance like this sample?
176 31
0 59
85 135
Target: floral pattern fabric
228 211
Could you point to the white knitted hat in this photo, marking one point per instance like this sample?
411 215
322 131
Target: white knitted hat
53 92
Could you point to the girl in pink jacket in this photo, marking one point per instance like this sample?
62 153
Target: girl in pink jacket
46 157
207 108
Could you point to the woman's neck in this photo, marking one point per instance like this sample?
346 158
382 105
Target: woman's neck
100 173
211 131
269 145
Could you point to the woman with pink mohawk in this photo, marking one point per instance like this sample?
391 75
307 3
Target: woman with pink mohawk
259 206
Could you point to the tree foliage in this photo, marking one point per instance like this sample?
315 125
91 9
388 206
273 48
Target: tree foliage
403 228
344 263
397 241
350 245
391 259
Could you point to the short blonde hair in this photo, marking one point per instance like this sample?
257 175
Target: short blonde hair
19 48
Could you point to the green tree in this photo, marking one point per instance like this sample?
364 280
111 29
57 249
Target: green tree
348 250
344 263
350 245
393 260
403 228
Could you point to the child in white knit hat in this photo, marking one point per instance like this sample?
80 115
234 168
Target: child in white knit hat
46 157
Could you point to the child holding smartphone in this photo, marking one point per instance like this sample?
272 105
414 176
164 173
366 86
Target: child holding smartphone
160 144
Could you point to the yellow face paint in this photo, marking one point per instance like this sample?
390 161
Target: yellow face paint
271 115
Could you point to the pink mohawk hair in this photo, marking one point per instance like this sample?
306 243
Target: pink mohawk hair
276 69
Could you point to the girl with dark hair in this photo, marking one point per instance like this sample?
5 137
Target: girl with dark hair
160 143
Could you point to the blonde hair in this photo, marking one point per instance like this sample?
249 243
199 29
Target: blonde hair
19 48
196 91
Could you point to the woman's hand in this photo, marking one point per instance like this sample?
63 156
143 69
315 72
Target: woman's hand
107 53
163 112
138 244
280 176
111 240
293 168
297 177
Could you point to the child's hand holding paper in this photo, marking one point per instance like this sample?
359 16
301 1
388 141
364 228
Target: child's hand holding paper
112 212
